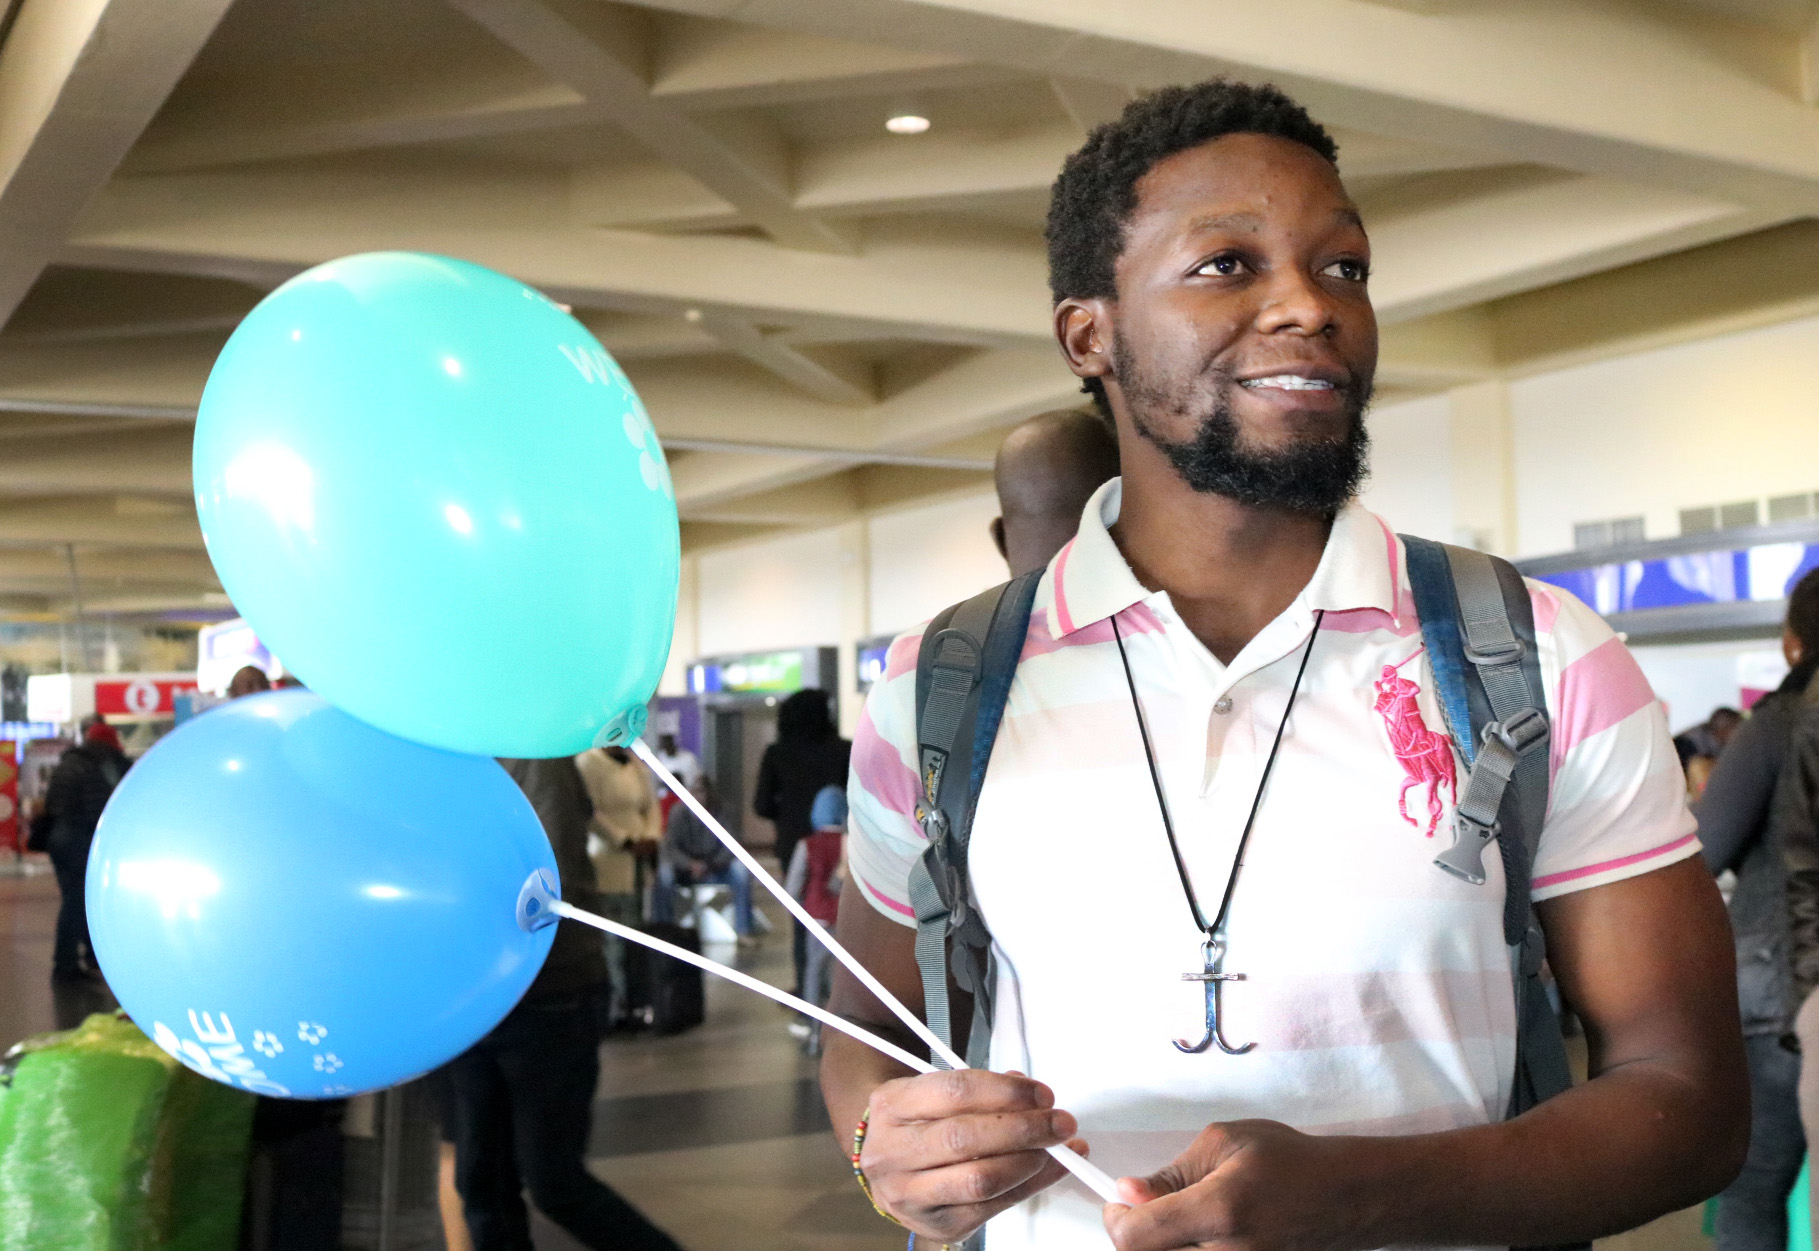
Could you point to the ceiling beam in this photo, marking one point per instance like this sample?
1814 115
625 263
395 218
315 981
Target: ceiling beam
49 568
148 377
790 364
951 168
79 79
102 520
986 286
702 65
515 111
154 461
597 52
1723 288
987 391
1435 258
706 479
821 502
1593 88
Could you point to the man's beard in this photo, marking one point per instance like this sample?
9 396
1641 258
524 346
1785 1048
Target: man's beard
1310 477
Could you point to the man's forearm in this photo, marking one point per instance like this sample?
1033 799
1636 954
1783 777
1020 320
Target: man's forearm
851 1071
1635 1143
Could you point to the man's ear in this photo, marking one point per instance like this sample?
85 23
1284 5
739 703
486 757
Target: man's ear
1084 330
998 537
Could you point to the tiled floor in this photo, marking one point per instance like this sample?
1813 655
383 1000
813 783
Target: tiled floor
718 1134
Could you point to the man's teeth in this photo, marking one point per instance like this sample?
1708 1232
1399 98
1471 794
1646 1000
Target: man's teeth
1289 382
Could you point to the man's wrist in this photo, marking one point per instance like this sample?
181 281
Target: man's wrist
1406 1189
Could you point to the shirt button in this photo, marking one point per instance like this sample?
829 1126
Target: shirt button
1224 705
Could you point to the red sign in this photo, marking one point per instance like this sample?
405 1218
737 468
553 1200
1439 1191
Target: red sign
9 797
139 697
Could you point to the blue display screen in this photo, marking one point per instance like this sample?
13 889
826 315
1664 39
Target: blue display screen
1767 571
871 664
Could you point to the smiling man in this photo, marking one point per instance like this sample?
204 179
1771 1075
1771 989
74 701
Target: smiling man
1210 278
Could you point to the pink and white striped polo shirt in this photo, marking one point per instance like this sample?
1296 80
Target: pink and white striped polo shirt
1377 986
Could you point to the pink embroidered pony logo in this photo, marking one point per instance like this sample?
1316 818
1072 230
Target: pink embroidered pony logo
1425 756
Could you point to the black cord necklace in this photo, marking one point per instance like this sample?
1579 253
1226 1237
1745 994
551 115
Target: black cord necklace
1212 951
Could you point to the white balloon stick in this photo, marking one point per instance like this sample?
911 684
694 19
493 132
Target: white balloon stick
858 970
1095 1178
564 909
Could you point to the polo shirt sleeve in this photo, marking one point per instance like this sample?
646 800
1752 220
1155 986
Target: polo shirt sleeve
884 840
1617 806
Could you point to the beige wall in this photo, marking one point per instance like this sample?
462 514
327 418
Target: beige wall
1731 418
924 559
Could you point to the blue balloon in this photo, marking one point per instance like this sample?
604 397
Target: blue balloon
292 902
410 466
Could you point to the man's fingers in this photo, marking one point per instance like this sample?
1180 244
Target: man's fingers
934 1096
1169 1221
1134 1191
958 1139
980 1181
972 1215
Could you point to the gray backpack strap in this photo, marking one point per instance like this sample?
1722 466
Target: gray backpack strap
1478 624
963 677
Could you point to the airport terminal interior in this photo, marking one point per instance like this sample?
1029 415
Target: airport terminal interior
811 232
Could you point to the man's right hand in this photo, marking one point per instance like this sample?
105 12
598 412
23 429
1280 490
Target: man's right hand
945 1152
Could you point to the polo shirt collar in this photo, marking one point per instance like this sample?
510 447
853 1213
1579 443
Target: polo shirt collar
1359 569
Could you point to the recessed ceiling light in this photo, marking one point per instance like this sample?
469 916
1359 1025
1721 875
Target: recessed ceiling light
906 123
692 315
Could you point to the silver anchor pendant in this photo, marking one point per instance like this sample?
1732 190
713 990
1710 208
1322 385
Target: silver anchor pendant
1212 953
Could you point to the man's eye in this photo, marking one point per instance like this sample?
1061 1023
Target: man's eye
1225 266
1352 270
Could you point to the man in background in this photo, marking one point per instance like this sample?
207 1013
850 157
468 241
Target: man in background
79 789
1045 471
680 761
523 1095
693 856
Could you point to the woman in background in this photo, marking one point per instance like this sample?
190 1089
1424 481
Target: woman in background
1743 815
808 755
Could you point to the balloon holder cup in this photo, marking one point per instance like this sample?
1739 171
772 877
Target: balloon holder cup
536 902
623 729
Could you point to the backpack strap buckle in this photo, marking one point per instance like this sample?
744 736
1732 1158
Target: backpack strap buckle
1521 732
1465 859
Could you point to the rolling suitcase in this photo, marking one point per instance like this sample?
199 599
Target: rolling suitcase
666 994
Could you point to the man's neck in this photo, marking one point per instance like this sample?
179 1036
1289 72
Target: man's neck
1229 568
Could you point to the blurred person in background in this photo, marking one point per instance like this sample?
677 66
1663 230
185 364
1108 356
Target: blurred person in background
1737 825
1045 471
248 680
817 871
808 755
79 789
1700 747
522 1097
680 761
693 855
627 831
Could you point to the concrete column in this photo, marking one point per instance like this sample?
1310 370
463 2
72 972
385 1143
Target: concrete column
1484 472
855 615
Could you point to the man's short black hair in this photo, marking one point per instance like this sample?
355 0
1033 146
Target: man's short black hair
1093 198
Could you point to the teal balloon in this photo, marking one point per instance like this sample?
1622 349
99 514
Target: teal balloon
439 502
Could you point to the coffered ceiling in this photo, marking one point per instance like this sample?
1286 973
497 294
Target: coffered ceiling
824 318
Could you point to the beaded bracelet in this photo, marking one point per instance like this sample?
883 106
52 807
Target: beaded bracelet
865 1123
